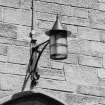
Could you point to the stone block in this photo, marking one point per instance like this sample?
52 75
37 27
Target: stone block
54 8
51 73
10 3
25 4
8 30
78 74
3 49
80 12
64 19
101 1
91 90
12 68
48 7
79 3
3 58
78 99
4 93
72 59
18 54
92 48
73 29
90 61
1 14
10 41
75 21
53 1
56 65
103 60
45 16
17 16
97 19
23 33
45 24
101 73
89 34
73 46
54 84
11 82
87 3
102 6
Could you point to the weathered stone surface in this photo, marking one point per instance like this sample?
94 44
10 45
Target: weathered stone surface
91 90
80 12
97 19
10 82
17 16
10 41
92 48
4 94
72 58
25 4
18 54
23 33
89 34
3 49
65 19
73 46
8 30
44 7
78 3
51 73
3 58
45 16
45 24
90 61
12 68
102 6
54 84
104 60
74 99
101 73
75 21
10 3
101 1
45 60
80 74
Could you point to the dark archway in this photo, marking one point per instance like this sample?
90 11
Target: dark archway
30 98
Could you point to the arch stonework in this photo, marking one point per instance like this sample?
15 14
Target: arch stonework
30 97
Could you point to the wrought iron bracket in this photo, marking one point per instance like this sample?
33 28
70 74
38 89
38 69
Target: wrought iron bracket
32 71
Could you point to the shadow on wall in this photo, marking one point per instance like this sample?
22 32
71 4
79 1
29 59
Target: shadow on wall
30 98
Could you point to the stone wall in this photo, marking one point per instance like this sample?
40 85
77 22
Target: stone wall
78 80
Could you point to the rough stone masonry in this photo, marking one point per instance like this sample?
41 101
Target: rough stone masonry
78 80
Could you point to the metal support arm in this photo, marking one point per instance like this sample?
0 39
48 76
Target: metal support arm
33 73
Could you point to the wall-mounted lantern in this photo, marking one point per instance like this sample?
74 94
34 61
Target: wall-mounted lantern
58 41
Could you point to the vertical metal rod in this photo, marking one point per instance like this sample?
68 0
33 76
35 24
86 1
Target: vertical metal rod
32 44
32 22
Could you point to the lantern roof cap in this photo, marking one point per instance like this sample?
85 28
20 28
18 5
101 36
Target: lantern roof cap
57 25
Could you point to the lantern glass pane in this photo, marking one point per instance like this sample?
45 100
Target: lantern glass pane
58 47
61 49
61 39
52 39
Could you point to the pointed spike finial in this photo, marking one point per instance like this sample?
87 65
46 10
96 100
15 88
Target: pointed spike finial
57 25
